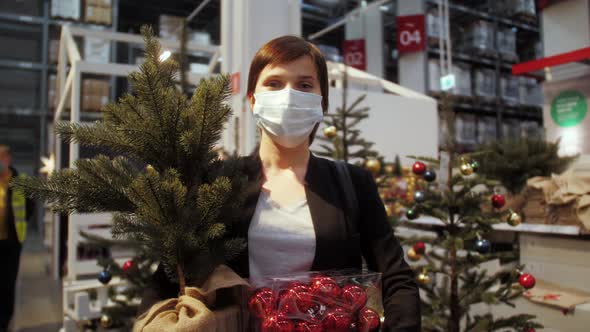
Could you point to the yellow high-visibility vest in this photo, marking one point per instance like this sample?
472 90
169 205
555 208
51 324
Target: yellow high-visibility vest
19 210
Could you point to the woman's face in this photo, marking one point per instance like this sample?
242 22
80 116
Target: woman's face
300 74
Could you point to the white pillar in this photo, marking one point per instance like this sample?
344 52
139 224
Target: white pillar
369 26
412 66
246 25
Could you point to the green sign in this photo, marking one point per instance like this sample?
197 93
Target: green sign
569 108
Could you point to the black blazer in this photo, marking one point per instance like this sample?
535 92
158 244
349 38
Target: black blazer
337 245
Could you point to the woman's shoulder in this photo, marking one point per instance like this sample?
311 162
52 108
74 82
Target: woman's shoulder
357 173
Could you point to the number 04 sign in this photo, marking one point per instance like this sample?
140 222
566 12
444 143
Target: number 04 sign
410 33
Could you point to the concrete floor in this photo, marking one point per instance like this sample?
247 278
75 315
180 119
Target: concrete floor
38 305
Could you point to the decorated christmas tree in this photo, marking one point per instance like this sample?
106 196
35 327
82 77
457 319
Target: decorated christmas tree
167 189
448 266
136 272
342 139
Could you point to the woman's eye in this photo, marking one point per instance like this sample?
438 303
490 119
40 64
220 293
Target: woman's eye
306 86
273 84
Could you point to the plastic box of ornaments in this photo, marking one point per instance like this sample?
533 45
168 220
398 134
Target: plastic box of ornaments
343 300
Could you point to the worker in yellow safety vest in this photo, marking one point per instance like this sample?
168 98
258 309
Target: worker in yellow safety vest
15 210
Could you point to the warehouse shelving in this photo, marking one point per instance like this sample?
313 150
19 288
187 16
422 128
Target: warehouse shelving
42 25
465 13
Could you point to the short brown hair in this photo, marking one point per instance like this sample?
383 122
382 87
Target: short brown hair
284 50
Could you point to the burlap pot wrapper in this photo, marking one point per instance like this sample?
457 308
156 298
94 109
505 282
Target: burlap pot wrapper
567 188
189 312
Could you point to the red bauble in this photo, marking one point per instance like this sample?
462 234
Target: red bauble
308 327
369 320
276 323
325 289
261 302
498 201
354 296
527 280
127 266
419 248
419 168
295 299
531 330
337 320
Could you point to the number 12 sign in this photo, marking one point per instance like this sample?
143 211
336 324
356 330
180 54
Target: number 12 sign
410 33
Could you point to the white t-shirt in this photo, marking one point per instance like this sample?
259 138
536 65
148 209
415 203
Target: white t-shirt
281 240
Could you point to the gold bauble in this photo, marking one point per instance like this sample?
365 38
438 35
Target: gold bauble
423 279
388 169
466 169
106 321
514 219
373 165
330 132
413 255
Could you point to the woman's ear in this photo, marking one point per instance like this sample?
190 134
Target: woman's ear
251 100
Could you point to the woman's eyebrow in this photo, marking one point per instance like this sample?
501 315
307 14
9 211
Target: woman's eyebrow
306 77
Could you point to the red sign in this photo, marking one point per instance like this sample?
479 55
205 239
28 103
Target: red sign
542 4
355 54
411 35
235 83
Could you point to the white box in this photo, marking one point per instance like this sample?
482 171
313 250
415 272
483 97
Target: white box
560 260
97 49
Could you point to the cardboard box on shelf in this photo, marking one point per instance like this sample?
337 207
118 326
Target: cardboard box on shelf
169 26
462 80
199 37
51 91
331 53
531 129
509 89
53 51
486 129
531 92
99 15
199 68
506 42
465 129
511 129
478 37
484 83
96 50
69 9
95 94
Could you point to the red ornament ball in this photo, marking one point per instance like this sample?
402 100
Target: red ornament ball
277 323
261 302
419 168
531 330
354 296
419 248
308 327
337 320
498 201
295 299
325 289
127 266
369 320
527 280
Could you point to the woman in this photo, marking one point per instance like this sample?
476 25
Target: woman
297 219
